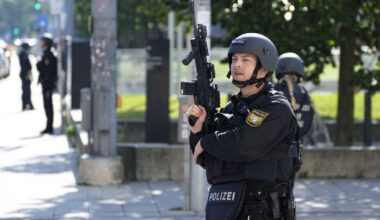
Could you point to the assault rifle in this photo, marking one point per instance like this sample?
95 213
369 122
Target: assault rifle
203 89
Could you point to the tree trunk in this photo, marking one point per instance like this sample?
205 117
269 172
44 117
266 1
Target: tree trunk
345 118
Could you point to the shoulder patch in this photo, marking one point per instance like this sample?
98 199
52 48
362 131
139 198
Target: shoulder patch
47 62
256 117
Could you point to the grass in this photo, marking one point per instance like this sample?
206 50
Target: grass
133 106
326 105
330 73
221 70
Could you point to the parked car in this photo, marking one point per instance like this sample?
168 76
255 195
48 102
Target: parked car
4 64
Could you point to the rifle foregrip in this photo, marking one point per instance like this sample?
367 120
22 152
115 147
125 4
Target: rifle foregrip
192 120
187 60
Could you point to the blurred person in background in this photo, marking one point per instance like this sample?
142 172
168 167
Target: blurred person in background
26 76
47 67
289 73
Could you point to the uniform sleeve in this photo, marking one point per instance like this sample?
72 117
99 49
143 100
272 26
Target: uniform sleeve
28 64
193 139
283 88
248 143
54 69
307 114
40 66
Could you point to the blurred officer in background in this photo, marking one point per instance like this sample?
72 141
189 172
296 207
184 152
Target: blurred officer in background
47 67
247 159
289 72
26 76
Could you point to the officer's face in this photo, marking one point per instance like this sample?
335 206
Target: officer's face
42 44
242 66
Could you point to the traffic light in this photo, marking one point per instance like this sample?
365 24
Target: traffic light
37 5
16 31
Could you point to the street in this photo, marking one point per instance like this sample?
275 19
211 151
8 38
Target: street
37 176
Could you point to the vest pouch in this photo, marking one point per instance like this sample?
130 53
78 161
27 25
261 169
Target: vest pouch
263 170
225 200
213 167
218 171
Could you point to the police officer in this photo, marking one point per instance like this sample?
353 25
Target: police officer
289 72
247 158
26 76
47 67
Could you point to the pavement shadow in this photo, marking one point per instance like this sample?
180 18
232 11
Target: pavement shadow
31 137
9 149
340 196
56 132
92 202
44 164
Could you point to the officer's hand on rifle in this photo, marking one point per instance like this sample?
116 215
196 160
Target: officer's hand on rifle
199 112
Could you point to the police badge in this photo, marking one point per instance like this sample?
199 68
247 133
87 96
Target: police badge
256 117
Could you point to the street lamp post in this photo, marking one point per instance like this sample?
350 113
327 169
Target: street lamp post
102 166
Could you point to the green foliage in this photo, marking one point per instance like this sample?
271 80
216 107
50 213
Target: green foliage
139 21
70 131
368 79
311 29
82 16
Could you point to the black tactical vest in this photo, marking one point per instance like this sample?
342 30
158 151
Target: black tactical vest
265 169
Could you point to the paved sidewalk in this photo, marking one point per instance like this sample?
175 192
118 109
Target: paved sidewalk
37 179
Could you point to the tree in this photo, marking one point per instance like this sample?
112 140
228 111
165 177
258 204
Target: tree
81 18
312 28
137 20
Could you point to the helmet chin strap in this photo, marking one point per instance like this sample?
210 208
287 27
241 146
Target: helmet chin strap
251 81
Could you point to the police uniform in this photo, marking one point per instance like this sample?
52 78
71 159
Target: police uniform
247 158
291 63
25 76
47 67
303 110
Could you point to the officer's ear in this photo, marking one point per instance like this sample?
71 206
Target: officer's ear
262 73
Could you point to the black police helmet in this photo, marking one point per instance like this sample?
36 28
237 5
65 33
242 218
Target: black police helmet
258 45
47 39
290 63
25 46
